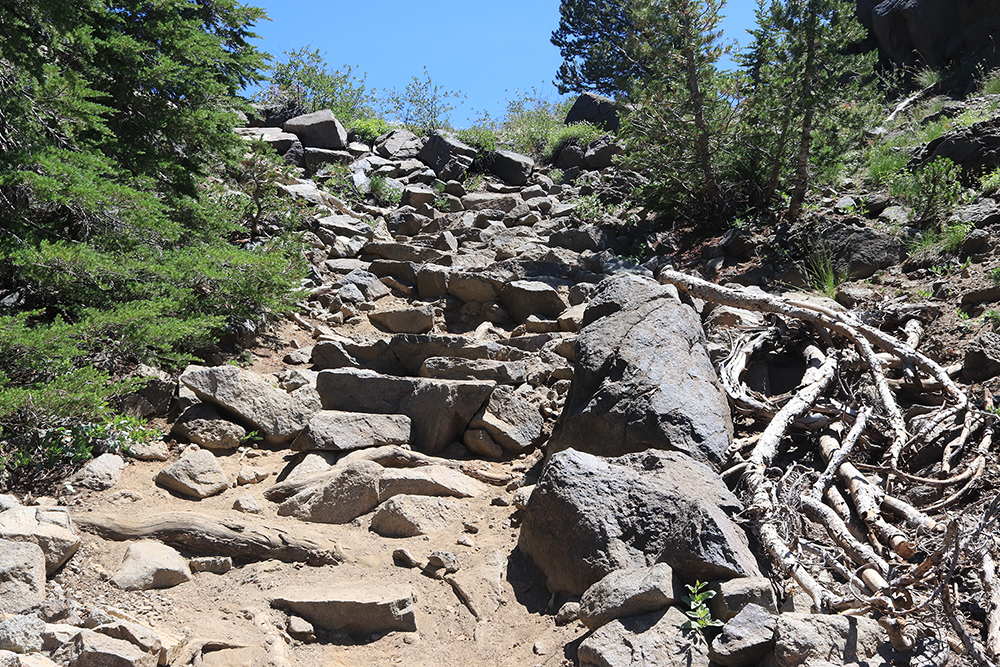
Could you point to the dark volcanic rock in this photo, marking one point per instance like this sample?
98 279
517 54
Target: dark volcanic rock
643 378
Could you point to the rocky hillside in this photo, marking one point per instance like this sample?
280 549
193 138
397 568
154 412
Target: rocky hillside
489 439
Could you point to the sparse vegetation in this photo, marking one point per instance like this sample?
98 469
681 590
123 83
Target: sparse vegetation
932 191
823 274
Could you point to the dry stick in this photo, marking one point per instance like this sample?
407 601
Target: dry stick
761 489
955 447
993 615
867 500
911 514
835 500
860 553
862 335
826 479
970 644
733 368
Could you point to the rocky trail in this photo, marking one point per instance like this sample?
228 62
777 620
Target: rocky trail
488 439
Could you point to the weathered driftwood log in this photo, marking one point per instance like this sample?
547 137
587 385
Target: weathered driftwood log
202 534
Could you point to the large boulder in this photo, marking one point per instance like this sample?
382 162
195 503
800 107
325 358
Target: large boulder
278 416
596 110
149 564
440 410
447 156
975 148
839 640
861 251
318 130
982 358
196 474
333 430
22 576
512 168
344 496
642 378
628 593
935 32
48 527
679 513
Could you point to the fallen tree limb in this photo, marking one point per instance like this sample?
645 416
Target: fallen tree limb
202 534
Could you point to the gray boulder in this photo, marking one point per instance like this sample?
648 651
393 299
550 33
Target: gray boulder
447 156
935 32
982 358
861 251
838 640
510 167
94 649
651 639
272 136
22 634
733 595
277 415
512 420
409 516
975 148
101 473
745 639
333 430
601 153
440 410
642 378
202 425
398 144
575 531
596 110
48 527
318 130
627 593
457 368
522 298
431 480
343 497
356 608
197 474
369 284
22 576
414 320
148 564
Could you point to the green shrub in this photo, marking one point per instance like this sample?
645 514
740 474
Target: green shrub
991 83
303 77
990 182
932 191
995 276
530 121
579 133
823 274
952 236
591 209
370 129
383 193
423 106
482 137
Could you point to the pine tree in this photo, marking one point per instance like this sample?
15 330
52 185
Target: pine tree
682 109
596 41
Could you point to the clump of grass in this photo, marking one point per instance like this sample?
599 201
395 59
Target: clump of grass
369 129
580 133
482 137
927 77
990 182
383 192
824 277
995 276
932 191
953 235
991 83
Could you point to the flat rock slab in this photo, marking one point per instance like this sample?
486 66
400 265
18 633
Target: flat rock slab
428 481
22 576
93 649
512 420
678 512
641 641
197 474
277 415
338 431
22 634
48 527
642 378
149 564
318 130
409 516
522 298
628 593
416 320
356 608
440 410
456 368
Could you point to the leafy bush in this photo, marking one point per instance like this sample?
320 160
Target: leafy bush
995 276
932 191
423 106
579 133
591 209
383 192
372 128
303 77
530 121
990 182
483 137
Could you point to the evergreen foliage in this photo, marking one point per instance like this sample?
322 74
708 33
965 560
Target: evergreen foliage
595 40
118 176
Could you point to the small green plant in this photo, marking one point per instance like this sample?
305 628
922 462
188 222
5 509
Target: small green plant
927 77
591 209
383 192
932 191
369 129
953 235
423 106
991 83
883 160
474 183
823 274
699 614
556 175
483 137
924 293
993 318
990 182
995 276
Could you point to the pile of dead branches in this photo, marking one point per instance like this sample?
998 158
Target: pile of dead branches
873 425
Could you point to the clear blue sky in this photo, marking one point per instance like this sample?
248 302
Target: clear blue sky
488 50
